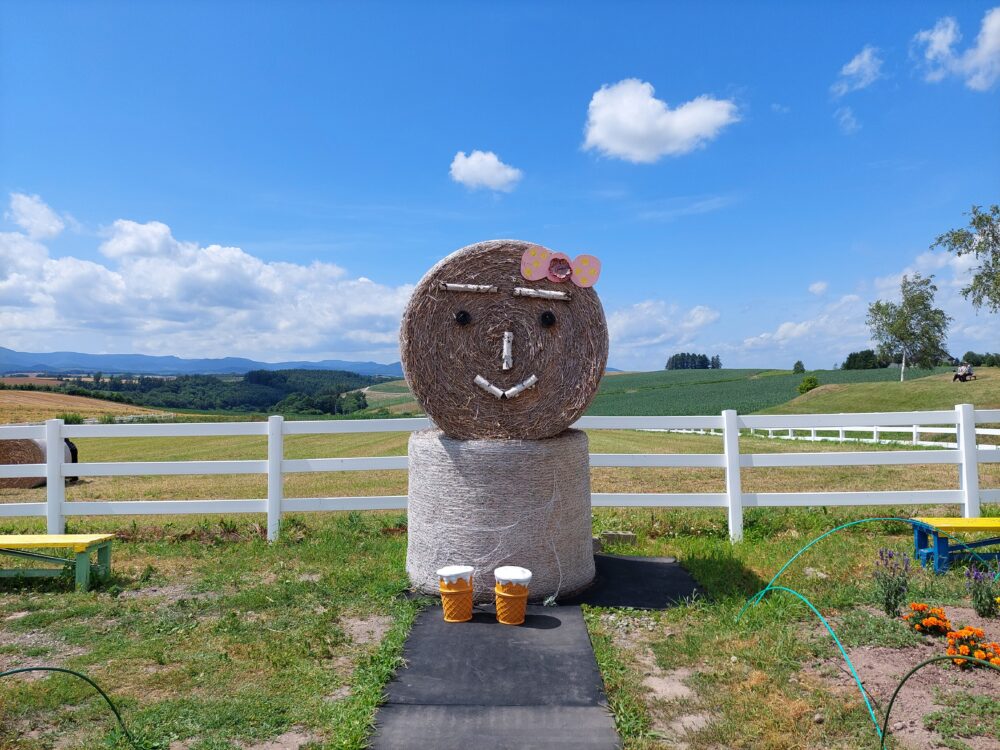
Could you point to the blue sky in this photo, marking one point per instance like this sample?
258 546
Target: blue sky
270 180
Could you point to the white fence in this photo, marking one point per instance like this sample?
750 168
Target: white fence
963 419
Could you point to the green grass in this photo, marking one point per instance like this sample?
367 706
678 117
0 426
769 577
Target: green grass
920 394
965 715
697 392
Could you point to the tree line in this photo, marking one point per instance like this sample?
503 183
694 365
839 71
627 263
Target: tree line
277 391
691 361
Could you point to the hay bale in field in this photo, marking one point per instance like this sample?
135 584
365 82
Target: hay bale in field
493 349
22 452
489 503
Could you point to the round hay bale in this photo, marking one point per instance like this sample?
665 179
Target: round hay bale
489 503
452 344
22 452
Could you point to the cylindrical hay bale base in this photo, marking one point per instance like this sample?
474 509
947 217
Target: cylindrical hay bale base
489 503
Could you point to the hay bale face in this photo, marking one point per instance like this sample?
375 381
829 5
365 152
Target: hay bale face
505 339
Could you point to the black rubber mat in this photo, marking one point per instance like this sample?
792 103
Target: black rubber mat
486 685
639 582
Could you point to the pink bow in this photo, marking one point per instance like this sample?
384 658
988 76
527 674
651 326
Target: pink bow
539 263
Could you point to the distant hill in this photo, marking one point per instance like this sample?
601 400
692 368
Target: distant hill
143 364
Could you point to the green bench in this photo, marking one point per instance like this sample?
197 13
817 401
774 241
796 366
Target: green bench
22 546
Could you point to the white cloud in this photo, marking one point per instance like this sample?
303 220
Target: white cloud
861 72
848 123
979 65
33 216
674 208
836 321
818 287
158 295
625 120
641 333
483 169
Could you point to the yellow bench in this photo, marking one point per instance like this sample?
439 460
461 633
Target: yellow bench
930 542
21 546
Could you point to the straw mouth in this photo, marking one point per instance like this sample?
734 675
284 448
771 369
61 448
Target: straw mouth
452 573
512 574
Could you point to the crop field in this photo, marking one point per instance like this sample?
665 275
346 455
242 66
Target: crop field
37 406
694 392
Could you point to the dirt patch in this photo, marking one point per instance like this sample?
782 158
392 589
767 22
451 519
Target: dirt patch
51 652
632 636
339 694
292 740
881 669
366 630
170 593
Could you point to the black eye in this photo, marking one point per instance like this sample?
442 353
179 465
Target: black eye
547 319
463 318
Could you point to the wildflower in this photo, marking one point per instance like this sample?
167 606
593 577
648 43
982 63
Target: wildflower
963 650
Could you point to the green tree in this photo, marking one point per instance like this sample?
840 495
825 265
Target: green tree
798 368
981 240
808 383
914 329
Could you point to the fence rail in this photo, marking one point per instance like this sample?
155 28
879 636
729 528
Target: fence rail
966 457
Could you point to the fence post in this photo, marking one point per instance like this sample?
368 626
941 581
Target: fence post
968 470
843 434
916 434
275 488
731 443
55 485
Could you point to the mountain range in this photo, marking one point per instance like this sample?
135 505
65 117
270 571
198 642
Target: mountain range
144 364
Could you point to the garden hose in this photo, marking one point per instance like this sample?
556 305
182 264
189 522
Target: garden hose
93 684
888 710
913 522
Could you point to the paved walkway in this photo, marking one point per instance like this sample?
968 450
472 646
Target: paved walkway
489 686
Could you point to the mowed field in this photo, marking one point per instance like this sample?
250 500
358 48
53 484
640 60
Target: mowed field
926 393
36 406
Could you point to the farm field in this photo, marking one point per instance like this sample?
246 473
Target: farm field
37 406
694 392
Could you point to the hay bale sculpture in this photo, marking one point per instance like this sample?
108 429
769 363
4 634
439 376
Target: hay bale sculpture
503 344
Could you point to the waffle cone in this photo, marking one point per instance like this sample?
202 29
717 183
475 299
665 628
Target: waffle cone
511 599
456 600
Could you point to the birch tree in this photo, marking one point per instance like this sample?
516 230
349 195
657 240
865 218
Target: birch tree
913 328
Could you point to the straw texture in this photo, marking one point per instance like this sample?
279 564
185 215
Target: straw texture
21 452
489 503
565 350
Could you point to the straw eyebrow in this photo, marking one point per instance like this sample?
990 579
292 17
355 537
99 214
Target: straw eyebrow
521 291
479 288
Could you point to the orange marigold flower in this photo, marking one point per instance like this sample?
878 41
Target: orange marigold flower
917 627
963 650
979 654
995 660
959 662
951 651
